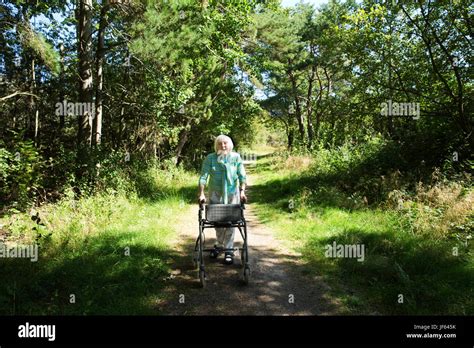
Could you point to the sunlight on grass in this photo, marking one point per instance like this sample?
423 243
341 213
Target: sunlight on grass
308 215
110 252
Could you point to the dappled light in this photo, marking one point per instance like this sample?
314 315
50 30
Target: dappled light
234 158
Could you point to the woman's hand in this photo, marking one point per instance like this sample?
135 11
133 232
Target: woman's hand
243 197
202 198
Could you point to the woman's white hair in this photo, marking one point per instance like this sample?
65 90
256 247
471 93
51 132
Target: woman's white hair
221 138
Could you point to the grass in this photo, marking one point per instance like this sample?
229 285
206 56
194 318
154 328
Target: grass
309 213
105 254
110 253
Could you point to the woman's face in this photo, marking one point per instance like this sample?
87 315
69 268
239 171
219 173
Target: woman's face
223 145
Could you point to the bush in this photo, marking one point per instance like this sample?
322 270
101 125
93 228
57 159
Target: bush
21 174
440 211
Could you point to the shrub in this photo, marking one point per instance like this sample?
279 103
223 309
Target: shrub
21 174
440 211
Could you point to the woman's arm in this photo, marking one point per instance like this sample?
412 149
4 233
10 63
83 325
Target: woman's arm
205 170
242 179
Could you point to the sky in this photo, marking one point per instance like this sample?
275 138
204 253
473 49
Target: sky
316 3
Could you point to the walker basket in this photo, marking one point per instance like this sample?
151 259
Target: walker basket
224 212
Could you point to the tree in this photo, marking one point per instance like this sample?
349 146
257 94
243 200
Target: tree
85 63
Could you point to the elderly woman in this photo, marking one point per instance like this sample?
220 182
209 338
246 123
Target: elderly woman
226 172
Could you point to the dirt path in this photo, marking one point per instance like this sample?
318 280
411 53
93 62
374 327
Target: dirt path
277 285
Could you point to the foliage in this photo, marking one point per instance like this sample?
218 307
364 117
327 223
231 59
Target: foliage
22 175
416 243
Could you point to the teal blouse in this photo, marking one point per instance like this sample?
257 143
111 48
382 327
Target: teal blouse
225 175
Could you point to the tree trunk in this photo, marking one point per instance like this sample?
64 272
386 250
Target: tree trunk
291 137
390 92
318 107
122 126
299 118
84 45
61 93
100 77
290 132
84 36
299 115
33 104
309 108
183 138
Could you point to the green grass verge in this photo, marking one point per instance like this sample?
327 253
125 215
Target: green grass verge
102 255
402 272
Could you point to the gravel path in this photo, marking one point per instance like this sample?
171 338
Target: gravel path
277 285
